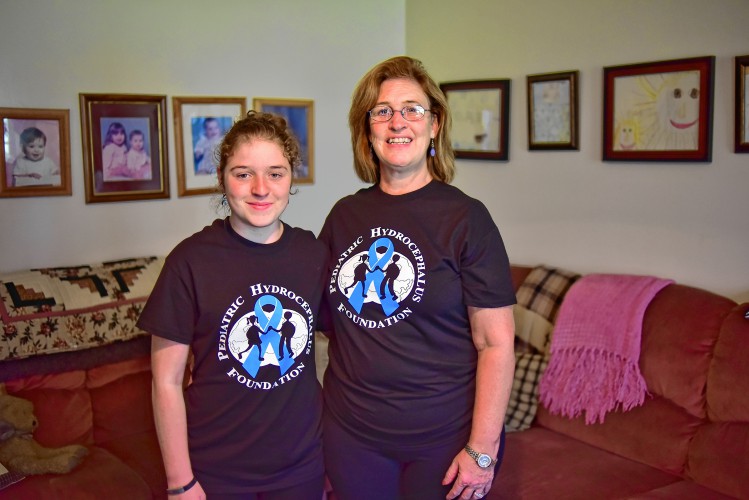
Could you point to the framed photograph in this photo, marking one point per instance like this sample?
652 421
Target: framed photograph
742 104
200 124
299 114
660 111
36 154
124 147
553 111
481 117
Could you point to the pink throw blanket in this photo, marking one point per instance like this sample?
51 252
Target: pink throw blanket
595 346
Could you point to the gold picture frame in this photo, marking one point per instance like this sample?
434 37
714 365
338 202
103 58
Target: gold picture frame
36 153
300 114
199 125
143 174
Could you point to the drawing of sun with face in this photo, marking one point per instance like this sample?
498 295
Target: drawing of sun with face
669 110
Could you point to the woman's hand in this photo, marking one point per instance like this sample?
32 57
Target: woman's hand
468 479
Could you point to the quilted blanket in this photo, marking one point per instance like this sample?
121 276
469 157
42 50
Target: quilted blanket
52 310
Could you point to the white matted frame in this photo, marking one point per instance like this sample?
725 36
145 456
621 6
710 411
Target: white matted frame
200 124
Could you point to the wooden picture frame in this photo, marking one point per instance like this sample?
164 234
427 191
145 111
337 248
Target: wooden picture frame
659 111
200 124
742 105
299 113
553 111
481 116
136 169
36 153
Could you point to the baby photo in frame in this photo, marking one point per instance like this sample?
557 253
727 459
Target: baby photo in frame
36 153
299 114
200 124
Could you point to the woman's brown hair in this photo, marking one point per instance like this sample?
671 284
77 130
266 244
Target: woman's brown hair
367 166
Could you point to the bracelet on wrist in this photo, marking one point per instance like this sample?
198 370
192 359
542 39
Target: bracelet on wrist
179 491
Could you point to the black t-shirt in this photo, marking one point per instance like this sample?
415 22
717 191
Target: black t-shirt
403 270
248 311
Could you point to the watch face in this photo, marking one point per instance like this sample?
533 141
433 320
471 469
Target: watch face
484 460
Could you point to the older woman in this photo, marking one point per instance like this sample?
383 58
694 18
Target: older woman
420 296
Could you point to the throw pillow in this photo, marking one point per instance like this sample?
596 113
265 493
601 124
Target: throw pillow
532 331
521 409
543 289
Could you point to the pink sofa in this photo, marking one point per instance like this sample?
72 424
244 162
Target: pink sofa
690 440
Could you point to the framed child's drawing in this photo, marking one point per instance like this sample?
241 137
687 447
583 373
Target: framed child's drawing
299 114
124 147
200 124
36 152
659 111
552 111
481 117
742 105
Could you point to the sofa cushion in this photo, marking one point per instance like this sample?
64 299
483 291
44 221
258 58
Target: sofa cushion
719 458
121 400
540 463
683 490
100 475
657 434
62 406
141 452
729 370
680 330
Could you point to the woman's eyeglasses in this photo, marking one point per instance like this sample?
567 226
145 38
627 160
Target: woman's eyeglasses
411 113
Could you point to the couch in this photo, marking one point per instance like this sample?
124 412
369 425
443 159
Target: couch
689 440
70 346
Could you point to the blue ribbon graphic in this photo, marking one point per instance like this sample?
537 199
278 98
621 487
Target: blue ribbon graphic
270 325
376 264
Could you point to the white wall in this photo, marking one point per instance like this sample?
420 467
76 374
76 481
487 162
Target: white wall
689 222
52 50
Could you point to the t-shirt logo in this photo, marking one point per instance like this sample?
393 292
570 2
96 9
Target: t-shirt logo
385 274
269 332
266 338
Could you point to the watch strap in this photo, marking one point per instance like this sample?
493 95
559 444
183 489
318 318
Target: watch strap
475 455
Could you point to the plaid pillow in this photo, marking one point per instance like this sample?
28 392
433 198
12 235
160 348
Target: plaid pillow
543 289
521 409
8 478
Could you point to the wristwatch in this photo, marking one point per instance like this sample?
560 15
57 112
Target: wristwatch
482 459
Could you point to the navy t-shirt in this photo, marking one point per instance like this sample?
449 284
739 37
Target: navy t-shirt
403 270
248 311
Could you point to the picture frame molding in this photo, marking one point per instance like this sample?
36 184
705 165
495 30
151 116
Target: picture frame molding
62 117
572 77
705 66
139 106
503 89
183 137
260 103
741 103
